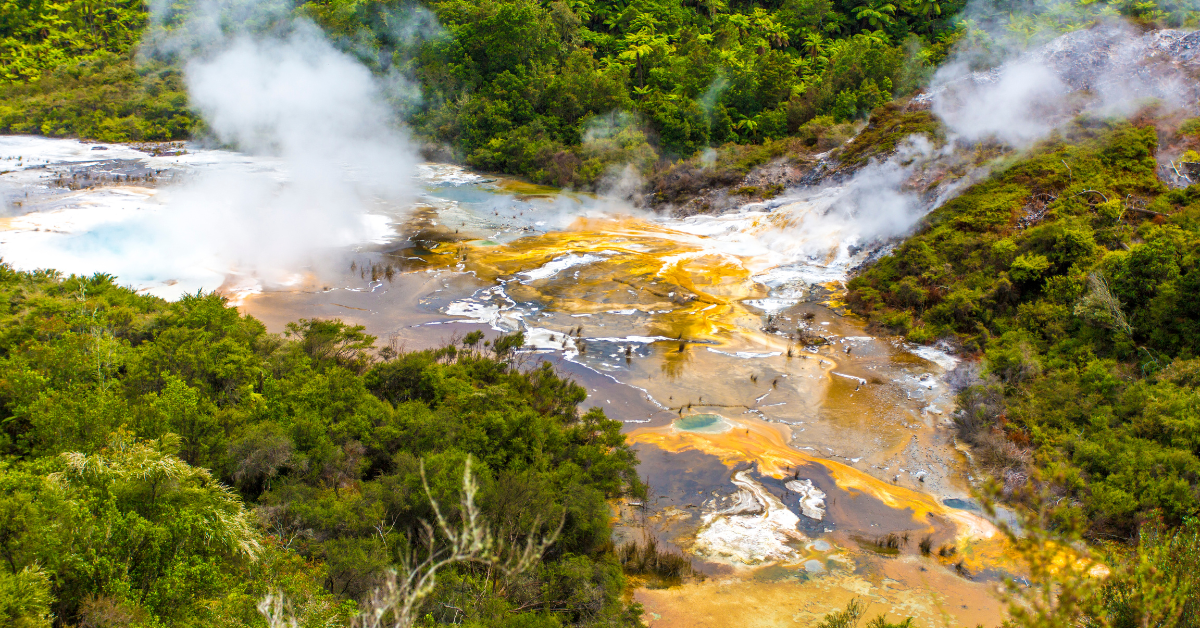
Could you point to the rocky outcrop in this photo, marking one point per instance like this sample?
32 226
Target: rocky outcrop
1159 64
1111 63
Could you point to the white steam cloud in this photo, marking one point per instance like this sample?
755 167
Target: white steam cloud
328 167
876 203
873 206
1017 106
1108 69
324 118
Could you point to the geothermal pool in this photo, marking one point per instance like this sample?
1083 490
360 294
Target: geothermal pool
781 440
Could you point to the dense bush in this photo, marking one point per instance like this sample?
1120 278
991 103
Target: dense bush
106 97
67 69
39 35
124 419
560 91
530 87
1073 272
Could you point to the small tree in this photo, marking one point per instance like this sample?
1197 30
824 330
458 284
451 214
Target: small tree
142 473
332 341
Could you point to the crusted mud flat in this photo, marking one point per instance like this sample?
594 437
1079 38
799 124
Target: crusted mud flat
903 587
781 441
759 407
792 536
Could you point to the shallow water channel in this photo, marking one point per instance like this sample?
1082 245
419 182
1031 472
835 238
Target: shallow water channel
781 441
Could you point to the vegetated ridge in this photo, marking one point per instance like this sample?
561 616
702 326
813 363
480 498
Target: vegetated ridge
1073 274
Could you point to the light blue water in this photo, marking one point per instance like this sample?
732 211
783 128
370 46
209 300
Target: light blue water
703 424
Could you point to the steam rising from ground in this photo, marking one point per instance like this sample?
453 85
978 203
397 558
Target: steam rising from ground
1109 69
322 115
1017 106
839 227
329 152
876 203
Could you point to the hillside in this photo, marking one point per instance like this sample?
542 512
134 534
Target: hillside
559 92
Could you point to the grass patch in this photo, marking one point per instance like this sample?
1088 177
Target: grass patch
890 124
647 558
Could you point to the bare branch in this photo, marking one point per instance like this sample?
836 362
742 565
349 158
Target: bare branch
1094 192
275 609
396 602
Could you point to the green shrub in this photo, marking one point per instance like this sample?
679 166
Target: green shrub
115 475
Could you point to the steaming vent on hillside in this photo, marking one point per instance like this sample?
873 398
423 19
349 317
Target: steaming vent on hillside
1107 70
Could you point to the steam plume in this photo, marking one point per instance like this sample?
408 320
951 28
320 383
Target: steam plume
1106 67
1035 84
282 91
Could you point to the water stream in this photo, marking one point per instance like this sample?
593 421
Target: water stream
781 441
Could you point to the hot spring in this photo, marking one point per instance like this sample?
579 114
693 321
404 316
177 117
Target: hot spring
754 401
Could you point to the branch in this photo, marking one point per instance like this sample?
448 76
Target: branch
394 604
1094 192
1145 211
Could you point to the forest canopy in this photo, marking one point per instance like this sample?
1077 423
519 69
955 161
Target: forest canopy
557 91
173 463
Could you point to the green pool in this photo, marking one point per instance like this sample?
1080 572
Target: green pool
703 423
